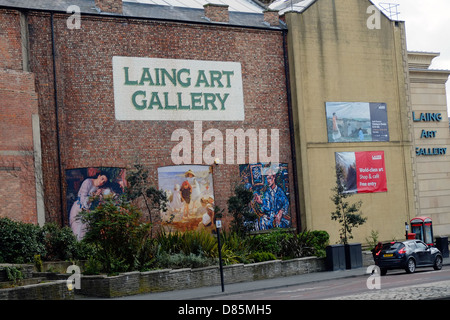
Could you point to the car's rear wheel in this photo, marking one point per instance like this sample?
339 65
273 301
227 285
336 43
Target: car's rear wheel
410 266
437 263
383 271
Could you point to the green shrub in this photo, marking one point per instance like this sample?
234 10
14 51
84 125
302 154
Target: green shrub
118 234
261 256
320 240
189 242
92 266
61 243
13 274
286 244
296 246
20 241
239 207
270 242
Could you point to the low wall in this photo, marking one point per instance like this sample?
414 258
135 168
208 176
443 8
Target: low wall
54 290
131 283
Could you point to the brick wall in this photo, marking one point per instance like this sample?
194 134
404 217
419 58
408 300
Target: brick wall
216 12
18 102
89 133
114 6
10 40
41 63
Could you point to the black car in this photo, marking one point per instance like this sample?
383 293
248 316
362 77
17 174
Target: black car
407 255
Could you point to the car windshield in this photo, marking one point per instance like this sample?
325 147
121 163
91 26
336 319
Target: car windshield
392 246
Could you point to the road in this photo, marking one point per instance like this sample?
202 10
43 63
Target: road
423 284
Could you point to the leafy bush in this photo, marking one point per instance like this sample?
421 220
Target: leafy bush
286 244
270 242
189 242
20 241
92 266
262 256
61 243
296 246
118 234
239 206
320 240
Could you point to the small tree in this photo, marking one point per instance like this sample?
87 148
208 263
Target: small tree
346 214
117 232
239 206
139 188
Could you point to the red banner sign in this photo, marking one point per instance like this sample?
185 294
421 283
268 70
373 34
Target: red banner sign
370 172
364 172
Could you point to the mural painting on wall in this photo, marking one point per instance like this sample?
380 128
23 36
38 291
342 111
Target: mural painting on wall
85 183
190 193
270 186
356 121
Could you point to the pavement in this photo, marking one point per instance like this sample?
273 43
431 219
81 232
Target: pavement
439 291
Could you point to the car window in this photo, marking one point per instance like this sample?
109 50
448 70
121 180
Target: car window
392 246
411 245
420 245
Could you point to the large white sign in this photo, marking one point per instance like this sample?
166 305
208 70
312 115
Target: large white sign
177 90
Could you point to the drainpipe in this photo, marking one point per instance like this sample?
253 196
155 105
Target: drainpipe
291 131
58 143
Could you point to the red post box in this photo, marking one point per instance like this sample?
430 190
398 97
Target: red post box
423 228
411 236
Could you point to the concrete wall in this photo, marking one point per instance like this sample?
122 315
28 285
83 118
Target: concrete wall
428 95
335 57
131 283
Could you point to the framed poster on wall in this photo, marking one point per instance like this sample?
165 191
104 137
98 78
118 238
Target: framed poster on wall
269 184
356 121
190 193
86 187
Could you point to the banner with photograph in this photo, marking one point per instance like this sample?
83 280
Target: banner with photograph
270 186
356 121
85 183
190 193
362 172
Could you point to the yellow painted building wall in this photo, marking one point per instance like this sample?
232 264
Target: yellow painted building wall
335 57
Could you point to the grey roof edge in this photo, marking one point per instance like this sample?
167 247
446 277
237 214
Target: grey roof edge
283 11
143 11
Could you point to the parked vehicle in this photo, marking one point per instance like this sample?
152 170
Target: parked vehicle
408 255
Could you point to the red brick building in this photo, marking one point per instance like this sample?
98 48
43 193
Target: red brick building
62 74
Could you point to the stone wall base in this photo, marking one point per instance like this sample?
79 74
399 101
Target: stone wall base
132 283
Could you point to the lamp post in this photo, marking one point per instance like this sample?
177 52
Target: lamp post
218 227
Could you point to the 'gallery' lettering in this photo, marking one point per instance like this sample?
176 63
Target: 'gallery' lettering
430 151
190 101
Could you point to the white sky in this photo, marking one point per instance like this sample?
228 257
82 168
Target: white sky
427 25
